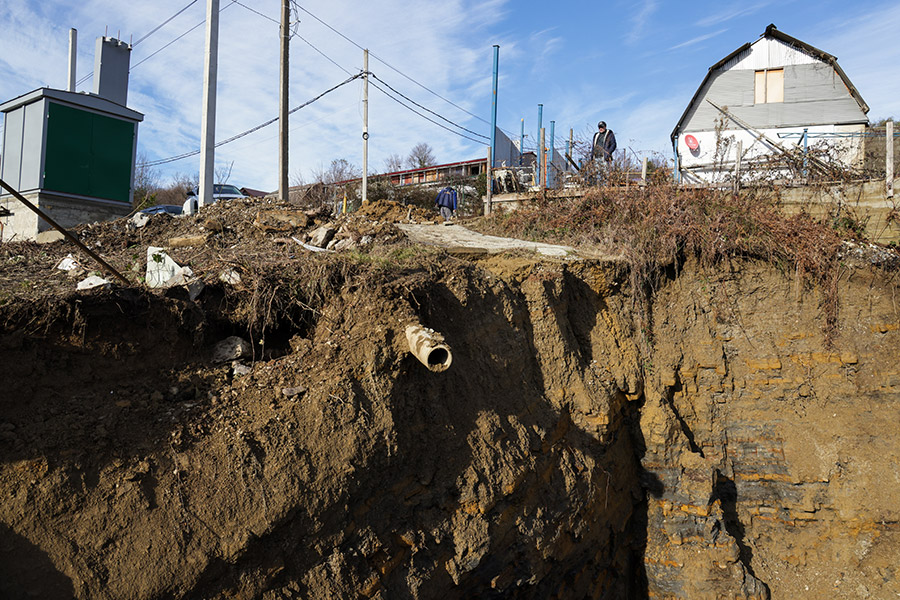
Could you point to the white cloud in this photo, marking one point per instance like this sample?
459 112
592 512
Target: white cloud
698 39
640 19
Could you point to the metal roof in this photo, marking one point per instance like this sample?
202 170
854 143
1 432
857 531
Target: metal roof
772 32
90 101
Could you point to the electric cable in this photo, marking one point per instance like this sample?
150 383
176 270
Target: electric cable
88 76
391 66
387 85
164 23
162 161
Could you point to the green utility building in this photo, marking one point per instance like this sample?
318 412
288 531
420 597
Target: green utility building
71 154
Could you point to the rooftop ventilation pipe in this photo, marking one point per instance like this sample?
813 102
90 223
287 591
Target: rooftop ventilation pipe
73 53
428 346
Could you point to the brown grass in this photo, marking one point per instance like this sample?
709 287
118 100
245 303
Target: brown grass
662 225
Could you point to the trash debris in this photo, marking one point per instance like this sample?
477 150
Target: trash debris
93 282
68 264
138 220
160 267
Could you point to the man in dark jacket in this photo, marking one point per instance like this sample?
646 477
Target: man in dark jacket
446 201
604 143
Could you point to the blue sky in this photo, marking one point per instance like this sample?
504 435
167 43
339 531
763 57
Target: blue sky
634 64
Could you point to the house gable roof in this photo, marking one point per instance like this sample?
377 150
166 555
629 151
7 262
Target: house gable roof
773 33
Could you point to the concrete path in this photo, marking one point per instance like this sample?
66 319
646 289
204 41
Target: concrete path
458 238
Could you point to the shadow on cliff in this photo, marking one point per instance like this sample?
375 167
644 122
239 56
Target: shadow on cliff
27 572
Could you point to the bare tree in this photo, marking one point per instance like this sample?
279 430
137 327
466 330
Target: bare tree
393 163
223 173
420 156
340 169
146 183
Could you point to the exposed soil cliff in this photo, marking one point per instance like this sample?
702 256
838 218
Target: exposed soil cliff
724 453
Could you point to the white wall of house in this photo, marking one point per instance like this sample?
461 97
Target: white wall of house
771 87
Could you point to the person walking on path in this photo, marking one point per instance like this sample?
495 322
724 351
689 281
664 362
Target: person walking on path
446 200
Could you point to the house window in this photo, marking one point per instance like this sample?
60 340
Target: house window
769 86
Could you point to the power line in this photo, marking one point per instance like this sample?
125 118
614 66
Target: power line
428 109
145 59
391 66
400 102
411 109
164 23
154 163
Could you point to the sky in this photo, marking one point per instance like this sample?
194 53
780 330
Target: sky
634 64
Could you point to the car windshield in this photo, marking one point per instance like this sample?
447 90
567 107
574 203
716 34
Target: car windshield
226 189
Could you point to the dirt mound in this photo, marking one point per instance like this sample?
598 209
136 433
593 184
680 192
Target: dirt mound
268 435
394 212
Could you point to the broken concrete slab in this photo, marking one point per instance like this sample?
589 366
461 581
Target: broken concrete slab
186 241
231 349
321 236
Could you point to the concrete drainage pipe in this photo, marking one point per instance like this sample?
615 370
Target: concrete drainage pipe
428 346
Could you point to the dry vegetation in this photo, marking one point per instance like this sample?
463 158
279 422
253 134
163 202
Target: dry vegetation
659 227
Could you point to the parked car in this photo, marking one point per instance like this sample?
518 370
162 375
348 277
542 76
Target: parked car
221 191
160 209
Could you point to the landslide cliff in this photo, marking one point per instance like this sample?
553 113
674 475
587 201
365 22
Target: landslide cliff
721 448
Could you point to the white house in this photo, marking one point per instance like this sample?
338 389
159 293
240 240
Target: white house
760 99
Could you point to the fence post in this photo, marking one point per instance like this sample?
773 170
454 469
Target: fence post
889 159
644 171
543 159
739 150
490 183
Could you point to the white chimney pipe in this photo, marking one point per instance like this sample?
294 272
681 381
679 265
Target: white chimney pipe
73 52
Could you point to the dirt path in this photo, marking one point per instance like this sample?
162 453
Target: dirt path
457 237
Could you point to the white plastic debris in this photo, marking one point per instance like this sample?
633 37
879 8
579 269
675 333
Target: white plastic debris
160 267
68 264
138 220
93 282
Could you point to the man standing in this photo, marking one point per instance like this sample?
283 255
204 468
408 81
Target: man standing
604 143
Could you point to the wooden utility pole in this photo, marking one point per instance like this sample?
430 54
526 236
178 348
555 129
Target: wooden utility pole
365 135
208 126
889 159
283 129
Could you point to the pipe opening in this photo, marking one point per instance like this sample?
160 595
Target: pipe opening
429 348
438 356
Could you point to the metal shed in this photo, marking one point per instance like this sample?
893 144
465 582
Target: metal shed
71 154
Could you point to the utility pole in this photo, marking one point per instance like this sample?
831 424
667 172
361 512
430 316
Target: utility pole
494 105
889 159
208 126
365 135
283 129
569 147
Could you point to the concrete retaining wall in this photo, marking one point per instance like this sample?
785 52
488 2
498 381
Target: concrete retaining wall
68 211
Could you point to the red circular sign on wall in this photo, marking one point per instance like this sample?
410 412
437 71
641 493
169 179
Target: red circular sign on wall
691 142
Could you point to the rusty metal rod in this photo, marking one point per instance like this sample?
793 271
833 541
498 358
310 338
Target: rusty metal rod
63 231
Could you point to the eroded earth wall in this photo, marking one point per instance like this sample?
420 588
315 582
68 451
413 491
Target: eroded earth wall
734 456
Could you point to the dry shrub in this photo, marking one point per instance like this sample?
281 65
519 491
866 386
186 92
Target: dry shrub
661 225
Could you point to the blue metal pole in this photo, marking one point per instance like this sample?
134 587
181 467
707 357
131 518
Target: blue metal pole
494 107
522 143
805 147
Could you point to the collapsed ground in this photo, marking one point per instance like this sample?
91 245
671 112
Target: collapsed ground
716 445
